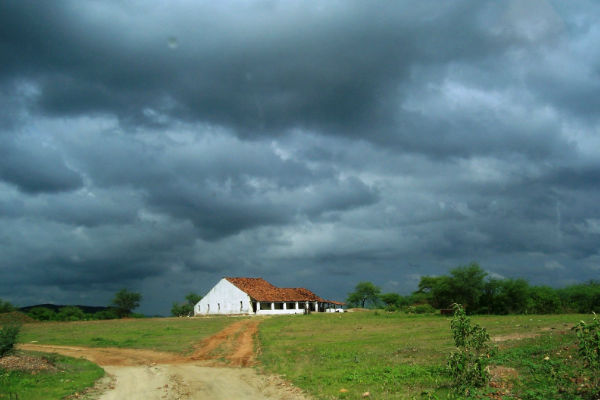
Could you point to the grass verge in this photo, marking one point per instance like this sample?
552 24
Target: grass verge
547 367
66 377
176 335
389 355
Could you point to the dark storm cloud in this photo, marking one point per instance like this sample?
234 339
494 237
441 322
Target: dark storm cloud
62 255
160 146
221 184
34 168
75 208
333 70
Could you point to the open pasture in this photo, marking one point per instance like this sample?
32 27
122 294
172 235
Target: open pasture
343 356
398 356
176 335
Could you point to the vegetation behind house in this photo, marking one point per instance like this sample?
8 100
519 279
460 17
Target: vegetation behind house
479 293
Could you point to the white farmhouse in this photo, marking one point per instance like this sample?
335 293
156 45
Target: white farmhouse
255 296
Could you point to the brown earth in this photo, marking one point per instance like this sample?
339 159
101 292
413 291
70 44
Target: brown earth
502 373
108 356
502 380
236 342
217 369
514 336
22 362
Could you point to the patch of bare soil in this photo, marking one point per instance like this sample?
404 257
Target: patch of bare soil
501 379
22 362
189 381
106 356
500 373
514 336
235 344
148 375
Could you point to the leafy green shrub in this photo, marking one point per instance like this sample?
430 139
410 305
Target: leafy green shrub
6 306
588 336
42 314
424 309
106 314
391 308
70 313
582 298
589 343
182 310
420 309
186 309
467 365
8 338
543 300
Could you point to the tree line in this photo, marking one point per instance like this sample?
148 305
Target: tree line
479 293
121 306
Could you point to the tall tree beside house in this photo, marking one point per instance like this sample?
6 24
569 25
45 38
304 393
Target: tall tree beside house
125 301
186 308
365 294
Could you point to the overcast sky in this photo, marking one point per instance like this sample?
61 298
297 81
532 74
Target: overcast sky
162 145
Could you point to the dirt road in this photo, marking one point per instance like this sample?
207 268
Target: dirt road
148 375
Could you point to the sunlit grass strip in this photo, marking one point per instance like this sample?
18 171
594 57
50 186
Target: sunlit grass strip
177 335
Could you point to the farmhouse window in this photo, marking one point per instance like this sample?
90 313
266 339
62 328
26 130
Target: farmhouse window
279 306
265 306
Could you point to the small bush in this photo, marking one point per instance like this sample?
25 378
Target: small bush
424 309
70 313
42 314
8 338
391 308
468 364
5 306
420 309
106 314
589 343
588 336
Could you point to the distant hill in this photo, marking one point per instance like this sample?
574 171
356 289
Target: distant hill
57 307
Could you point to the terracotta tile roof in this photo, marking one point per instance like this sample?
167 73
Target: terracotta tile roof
261 290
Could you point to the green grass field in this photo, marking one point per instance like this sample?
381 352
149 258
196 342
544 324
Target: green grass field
389 355
176 335
398 356
70 376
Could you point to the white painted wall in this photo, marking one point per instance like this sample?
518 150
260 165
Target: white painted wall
224 298
294 310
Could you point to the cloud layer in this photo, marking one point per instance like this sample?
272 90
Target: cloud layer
161 146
